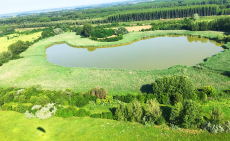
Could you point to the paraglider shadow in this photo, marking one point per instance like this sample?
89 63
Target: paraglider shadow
41 129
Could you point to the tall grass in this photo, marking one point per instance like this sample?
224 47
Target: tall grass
35 69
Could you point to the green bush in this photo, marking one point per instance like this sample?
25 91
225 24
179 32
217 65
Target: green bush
160 120
121 112
18 47
7 107
64 112
152 110
33 99
191 114
121 30
96 116
42 100
134 111
22 99
210 91
212 128
21 108
176 114
87 30
165 87
107 115
81 113
216 116
9 96
5 55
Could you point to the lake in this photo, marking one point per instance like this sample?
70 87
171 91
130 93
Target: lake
154 53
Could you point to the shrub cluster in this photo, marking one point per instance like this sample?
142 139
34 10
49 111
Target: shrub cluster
187 114
143 98
104 115
102 33
147 114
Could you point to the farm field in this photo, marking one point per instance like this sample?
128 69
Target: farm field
35 69
4 42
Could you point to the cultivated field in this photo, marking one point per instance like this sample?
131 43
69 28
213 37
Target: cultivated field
4 42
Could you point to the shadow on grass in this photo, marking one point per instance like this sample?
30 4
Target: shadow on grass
226 73
147 88
41 129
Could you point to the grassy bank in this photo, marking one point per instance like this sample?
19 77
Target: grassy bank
76 128
34 69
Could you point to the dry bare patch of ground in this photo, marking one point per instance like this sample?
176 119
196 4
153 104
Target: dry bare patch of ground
136 28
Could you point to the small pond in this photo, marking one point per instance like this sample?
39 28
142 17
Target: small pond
154 53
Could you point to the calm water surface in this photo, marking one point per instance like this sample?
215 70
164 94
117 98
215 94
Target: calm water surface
149 54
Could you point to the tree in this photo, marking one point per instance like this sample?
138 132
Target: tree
87 30
18 47
152 110
58 31
195 17
121 30
191 114
47 32
164 88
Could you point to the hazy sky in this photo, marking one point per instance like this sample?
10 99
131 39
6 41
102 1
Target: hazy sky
13 6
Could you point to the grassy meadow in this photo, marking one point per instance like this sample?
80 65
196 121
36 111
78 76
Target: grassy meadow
35 69
4 42
14 127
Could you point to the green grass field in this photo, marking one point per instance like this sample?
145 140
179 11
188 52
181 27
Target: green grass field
34 69
14 127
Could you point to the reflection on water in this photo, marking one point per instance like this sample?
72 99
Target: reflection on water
154 53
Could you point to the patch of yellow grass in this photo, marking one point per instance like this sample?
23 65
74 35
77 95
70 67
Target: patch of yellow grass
4 42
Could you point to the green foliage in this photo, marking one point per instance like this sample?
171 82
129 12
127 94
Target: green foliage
216 116
220 37
82 113
18 47
152 109
121 112
134 111
212 128
111 39
47 32
87 30
102 33
201 96
22 99
176 114
98 101
121 30
9 96
176 97
107 115
5 55
165 87
7 107
78 30
109 99
210 91
21 108
191 114
96 116
64 112
42 100
44 19
160 120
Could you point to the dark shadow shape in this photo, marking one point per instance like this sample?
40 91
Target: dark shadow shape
166 111
147 88
226 73
41 129
113 110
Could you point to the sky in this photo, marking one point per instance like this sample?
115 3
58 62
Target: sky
14 6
